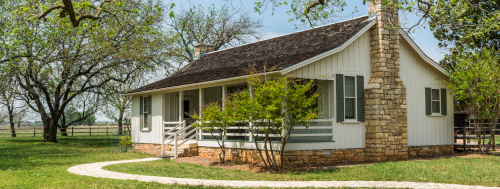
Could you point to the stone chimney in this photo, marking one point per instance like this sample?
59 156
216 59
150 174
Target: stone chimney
385 94
200 49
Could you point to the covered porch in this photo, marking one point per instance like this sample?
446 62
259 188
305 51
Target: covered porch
180 105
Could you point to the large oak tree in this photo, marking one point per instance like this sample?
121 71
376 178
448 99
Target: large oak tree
55 63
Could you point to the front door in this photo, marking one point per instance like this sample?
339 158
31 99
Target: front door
188 110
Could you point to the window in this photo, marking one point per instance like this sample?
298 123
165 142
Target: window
436 101
350 97
145 114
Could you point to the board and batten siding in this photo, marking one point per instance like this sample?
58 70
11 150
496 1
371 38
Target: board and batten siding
353 60
417 74
157 109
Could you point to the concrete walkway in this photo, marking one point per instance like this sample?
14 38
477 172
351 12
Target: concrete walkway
94 170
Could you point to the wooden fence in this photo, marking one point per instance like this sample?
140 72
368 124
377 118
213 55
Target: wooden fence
70 131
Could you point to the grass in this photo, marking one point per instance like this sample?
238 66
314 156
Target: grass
467 171
497 140
31 163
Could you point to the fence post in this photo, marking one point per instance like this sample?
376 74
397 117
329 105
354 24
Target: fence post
90 131
106 131
34 131
464 134
71 131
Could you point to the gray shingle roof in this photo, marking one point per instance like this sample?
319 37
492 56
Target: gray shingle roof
278 53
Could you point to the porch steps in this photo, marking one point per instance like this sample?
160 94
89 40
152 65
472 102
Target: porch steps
184 150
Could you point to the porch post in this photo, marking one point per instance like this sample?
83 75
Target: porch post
181 106
201 102
224 91
250 88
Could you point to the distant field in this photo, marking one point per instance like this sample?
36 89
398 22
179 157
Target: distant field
27 131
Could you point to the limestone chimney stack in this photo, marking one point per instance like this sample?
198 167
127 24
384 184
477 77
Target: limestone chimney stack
385 94
200 49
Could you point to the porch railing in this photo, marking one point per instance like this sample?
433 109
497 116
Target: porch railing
176 134
237 131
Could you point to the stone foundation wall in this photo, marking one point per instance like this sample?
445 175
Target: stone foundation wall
291 157
156 149
319 157
418 151
147 148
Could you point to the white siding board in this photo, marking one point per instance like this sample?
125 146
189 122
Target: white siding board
416 74
135 119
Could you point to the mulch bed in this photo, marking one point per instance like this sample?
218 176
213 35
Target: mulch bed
258 168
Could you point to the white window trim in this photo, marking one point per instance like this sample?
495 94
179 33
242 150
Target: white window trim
355 101
439 107
144 111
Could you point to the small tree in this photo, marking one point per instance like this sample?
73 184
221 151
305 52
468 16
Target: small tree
476 83
214 118
9 98
21 117
3 115
275 107
278 105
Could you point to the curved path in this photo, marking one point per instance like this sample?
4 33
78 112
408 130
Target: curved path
95 170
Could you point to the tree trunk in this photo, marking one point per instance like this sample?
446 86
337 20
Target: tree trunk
63 127
12 125
63 131
50 130
120 127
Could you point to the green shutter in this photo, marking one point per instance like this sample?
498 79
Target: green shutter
360 94
149 112
444 109
340 97
428 101
141 106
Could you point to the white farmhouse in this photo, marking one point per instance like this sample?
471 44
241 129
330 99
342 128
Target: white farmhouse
382 97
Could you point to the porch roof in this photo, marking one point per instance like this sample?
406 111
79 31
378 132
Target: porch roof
258 57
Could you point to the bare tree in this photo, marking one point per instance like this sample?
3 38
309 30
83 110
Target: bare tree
223 27
117 107
21 116
9 98
3 116
81 108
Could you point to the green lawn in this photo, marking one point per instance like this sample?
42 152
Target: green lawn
497 141
470 171
31 163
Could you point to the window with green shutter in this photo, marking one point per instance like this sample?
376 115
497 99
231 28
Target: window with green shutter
350 98
435 101
339 82
360 85
141 111
428 101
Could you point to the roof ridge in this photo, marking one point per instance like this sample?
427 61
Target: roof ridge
290 33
